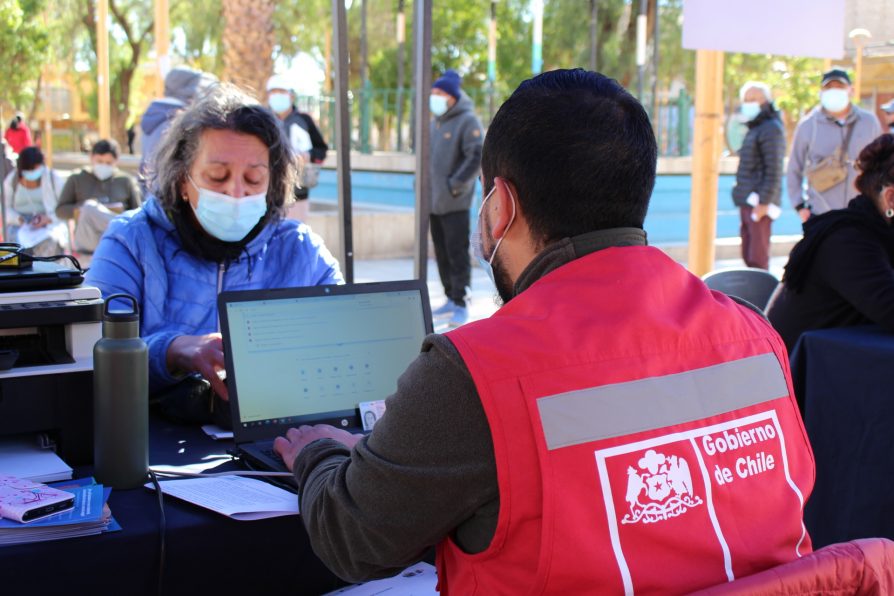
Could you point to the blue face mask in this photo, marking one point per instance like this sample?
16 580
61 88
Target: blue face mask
437 104
279 102
750 110
33 175
228 218
487 263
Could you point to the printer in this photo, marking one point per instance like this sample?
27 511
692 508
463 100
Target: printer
46 366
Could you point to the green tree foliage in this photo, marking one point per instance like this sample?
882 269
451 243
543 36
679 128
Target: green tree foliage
24 41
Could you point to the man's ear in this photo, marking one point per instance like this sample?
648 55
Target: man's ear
505 207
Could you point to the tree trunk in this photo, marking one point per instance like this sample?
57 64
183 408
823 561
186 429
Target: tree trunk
248 42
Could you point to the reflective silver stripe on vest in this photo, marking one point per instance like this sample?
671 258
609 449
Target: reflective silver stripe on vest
657 402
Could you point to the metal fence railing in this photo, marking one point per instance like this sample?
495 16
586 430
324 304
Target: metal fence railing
382 119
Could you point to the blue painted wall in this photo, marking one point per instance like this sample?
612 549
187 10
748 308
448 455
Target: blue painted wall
667 221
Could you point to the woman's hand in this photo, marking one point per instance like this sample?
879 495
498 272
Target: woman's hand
40 221
202 354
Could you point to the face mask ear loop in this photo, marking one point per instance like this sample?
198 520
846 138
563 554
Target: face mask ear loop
506 231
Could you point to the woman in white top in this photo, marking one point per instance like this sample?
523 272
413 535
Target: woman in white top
31 193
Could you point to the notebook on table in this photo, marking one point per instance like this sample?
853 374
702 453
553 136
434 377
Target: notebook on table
310 355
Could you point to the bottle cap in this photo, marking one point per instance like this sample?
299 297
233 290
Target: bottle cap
130 313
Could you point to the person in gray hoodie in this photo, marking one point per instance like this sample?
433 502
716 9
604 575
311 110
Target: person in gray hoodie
456 141
182 85
835 123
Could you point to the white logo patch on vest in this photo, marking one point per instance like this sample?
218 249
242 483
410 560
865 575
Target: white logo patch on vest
694 483
660 490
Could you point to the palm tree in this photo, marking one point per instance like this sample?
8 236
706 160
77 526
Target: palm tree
248 41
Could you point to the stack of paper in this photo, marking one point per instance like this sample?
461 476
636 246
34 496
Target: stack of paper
25 459
237 497
90 515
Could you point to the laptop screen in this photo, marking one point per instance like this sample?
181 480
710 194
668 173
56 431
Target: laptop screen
305 359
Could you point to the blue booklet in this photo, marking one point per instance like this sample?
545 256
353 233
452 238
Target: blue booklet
87 508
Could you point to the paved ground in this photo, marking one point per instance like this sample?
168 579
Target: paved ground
483 293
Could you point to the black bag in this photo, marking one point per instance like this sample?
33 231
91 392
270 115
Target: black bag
191 401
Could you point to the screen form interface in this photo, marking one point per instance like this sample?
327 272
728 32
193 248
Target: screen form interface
301 356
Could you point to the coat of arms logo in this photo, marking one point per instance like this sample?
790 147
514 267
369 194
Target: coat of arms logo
660 490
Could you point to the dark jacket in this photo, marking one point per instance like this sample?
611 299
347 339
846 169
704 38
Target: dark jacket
761 158
840 274
317 148
456 141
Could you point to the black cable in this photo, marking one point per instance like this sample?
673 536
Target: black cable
20 252
162 524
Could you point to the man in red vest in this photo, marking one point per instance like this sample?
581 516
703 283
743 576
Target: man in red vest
614 427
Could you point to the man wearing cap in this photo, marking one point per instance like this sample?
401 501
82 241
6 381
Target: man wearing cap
304 136
825 147
456 140
182 85
888 109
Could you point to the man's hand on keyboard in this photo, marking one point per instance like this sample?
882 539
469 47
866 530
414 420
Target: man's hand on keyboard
296 439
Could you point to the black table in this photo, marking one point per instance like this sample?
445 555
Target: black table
206 553
843 377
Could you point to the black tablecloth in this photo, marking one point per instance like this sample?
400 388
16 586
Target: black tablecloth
843 378
207 552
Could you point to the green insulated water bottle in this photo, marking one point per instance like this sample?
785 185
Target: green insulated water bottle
121 398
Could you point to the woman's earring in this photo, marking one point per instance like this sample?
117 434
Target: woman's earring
889 213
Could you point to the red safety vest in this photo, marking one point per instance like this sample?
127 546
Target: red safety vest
645 432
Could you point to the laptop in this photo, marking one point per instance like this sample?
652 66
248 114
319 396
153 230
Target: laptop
310 355
40 276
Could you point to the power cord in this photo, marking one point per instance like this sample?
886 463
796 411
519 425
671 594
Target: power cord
162 528
10 251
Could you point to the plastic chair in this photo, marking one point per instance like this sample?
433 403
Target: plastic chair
864 566
754 285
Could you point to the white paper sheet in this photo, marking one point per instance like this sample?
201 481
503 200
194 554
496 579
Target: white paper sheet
240 498
416 580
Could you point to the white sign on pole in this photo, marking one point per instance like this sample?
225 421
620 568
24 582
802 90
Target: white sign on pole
813 28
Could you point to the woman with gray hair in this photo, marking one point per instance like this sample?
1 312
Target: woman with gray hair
222 178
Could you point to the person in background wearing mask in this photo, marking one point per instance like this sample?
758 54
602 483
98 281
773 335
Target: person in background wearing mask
32 192
304 136
759 176
18 135
94 196
456 140
836 131
566 444
888 109
214 222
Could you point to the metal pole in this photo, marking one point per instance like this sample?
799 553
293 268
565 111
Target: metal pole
364 82
102 67
343 140
3 174
422 62
401 42
594 7
491 59
655 53
537 44
641 47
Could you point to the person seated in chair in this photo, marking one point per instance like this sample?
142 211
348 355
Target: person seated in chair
96 195
214 222
842 272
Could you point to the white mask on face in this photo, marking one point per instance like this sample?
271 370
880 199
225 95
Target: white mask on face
750 110
279 102
437 104
834 100
103 171
228 218
487 263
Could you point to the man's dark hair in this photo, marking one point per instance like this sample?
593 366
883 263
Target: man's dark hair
29 158
580 151
105 146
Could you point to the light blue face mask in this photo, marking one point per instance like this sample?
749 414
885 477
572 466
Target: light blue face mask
487 263
279 102
437 104
33 175
228 218
750 110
